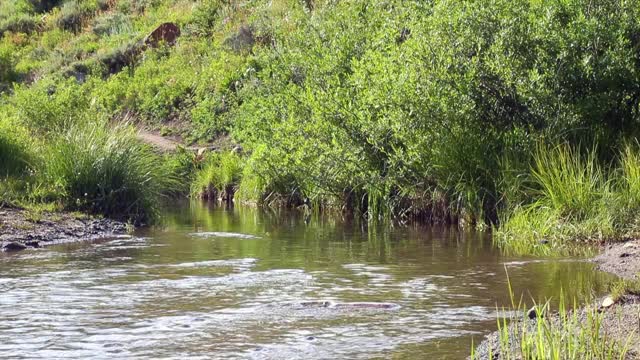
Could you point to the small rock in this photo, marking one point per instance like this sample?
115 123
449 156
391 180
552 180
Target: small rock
630 245
33 244
543 242
13 246
624 255
607 302
311 338
167 33
202 151
533 313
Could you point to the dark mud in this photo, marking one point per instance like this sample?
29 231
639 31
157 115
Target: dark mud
22 229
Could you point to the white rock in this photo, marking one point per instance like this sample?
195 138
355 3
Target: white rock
607 302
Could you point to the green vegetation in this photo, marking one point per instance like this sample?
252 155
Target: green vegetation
218 177
570 334
106 170
576 199
95 168
562 333
494 112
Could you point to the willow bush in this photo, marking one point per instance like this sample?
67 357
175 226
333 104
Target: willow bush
395 102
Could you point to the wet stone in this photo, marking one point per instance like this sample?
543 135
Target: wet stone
13 246
607 302
532 313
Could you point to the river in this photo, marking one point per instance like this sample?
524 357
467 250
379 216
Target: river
212 283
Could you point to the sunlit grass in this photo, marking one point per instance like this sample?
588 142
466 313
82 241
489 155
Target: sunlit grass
106 170
554 334
576 202
221 173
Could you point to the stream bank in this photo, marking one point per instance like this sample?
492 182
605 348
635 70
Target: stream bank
620 316
21 229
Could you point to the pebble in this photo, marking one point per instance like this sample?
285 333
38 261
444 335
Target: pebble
607 302
532 313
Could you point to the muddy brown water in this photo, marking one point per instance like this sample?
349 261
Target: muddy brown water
248 284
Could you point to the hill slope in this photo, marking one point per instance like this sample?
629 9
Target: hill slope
394 109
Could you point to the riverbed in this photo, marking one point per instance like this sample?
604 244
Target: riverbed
252 284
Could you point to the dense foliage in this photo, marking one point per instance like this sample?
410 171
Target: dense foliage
392 109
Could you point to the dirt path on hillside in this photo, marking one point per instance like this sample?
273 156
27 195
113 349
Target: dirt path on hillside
159 142
171 144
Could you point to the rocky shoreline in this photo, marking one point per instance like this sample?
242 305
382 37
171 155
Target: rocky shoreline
620 318
621 259
22 229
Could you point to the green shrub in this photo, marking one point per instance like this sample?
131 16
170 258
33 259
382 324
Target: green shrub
124 56
206 15
7 64
137 6
15 149
219 176
52 106
112 24
19 23
106 170
44 5
74 14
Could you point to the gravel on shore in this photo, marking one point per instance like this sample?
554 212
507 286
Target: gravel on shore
620 322
22 229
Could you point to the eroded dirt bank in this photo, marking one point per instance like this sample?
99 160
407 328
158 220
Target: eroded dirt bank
21 229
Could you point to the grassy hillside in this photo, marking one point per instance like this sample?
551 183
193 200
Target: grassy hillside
444 110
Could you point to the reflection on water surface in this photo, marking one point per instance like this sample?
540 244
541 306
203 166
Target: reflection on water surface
216 283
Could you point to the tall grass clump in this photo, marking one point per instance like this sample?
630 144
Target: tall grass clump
105 170
573 200
569 182
629 193
15 154
218 177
